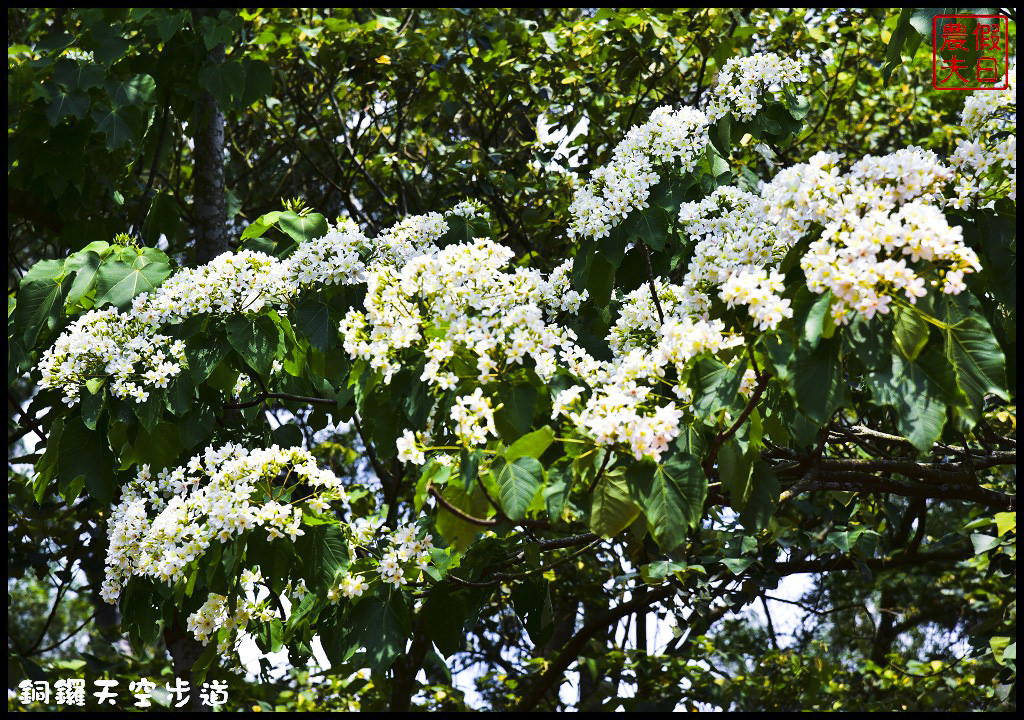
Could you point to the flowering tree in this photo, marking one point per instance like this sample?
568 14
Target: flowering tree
732 380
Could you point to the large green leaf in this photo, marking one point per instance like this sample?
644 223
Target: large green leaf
671 496
764 497
919 391
612 509
73 75
519 403
312 319
456 531
531 600
117 281
205 352
301 228
910 332
119 124
715 386
817 381
383 626
132 90
84 453
323 556
40 298
518 481
67 102
86 264
978 361
444 613
531 445
255 339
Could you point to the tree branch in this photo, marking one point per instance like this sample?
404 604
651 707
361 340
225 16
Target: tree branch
556 669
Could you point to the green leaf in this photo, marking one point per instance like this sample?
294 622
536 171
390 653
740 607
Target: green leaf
85 263
737 566
382 629
1006 522
531 445
301 228
205 352
312 320
764 498
457 532
47 466
259 81
600 280
323 556
910 332
255 340
612 509
734 470
225 81
531 600
816 317
519 401
163 218
261 224
118 124
73 75
40 299
444 613
649 226
1002 648
434 473
715 386
84 453
518 481
132 90
67 102
817 381
984 543
671 496
974 353
117 282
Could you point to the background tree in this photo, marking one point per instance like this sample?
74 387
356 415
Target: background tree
382 116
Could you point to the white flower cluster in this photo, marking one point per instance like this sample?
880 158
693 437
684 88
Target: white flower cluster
330 260
731 235
163 524
743 81
457 299
669 136
986 164
474 418
214 616
469 209
409 238
405 557
108 344
759 289
879 220
618 414
625 406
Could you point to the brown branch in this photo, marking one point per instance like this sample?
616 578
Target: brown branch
650 281
755 397
280 396
839 564
457 512
556 669
383 474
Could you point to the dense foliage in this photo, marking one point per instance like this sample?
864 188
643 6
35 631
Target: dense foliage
608 324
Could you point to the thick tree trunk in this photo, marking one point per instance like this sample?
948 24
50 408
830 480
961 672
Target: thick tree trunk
208 190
